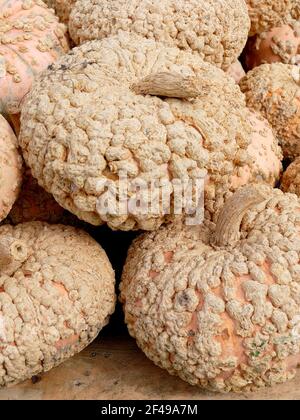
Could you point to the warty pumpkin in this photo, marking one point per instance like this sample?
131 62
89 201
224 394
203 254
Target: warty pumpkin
130 104
279 44
274 91
219 305
10 168
30 39
267 14
217 30
56 294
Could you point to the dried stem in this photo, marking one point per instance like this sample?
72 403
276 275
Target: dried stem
168 84
229 221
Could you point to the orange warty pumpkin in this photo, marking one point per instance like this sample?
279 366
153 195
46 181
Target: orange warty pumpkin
279 44
31 38
10 168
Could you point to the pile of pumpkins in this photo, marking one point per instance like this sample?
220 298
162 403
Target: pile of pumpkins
93 89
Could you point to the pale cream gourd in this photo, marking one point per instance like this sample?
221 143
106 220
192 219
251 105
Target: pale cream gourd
264 151
219 305
274 91
127 104
56 294
217 30
267 14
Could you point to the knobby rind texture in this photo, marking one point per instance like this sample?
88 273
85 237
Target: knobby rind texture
264 151
267 14
56 294
279 44
83 125
223 318
35 204
62 8
291 178
274 90
10 168
31 38
217 30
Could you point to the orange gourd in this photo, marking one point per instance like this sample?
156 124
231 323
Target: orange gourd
31 38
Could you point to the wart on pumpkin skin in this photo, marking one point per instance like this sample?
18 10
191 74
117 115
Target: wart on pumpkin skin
2 328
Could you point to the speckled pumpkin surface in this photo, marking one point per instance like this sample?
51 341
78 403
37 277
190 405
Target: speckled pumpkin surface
10 168
217 30
56 294
280 44
219 305
267 14
264 152
100 111
30 39
274 90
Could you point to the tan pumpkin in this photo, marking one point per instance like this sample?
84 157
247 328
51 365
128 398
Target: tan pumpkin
10 168
265 153
219 305
217 30
128 104
274 91
56 293
30 39
267 14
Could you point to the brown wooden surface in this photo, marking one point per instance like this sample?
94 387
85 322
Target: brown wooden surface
114 368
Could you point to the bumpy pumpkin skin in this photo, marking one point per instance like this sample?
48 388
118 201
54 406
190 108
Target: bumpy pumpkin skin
274 90
221 311
217 30
85 120
265 153
10 168
62 8
267 14
30 39
291 178
56 294
280 44
35 204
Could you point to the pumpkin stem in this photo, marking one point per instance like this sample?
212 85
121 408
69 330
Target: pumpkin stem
13 253
168 84
227 231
